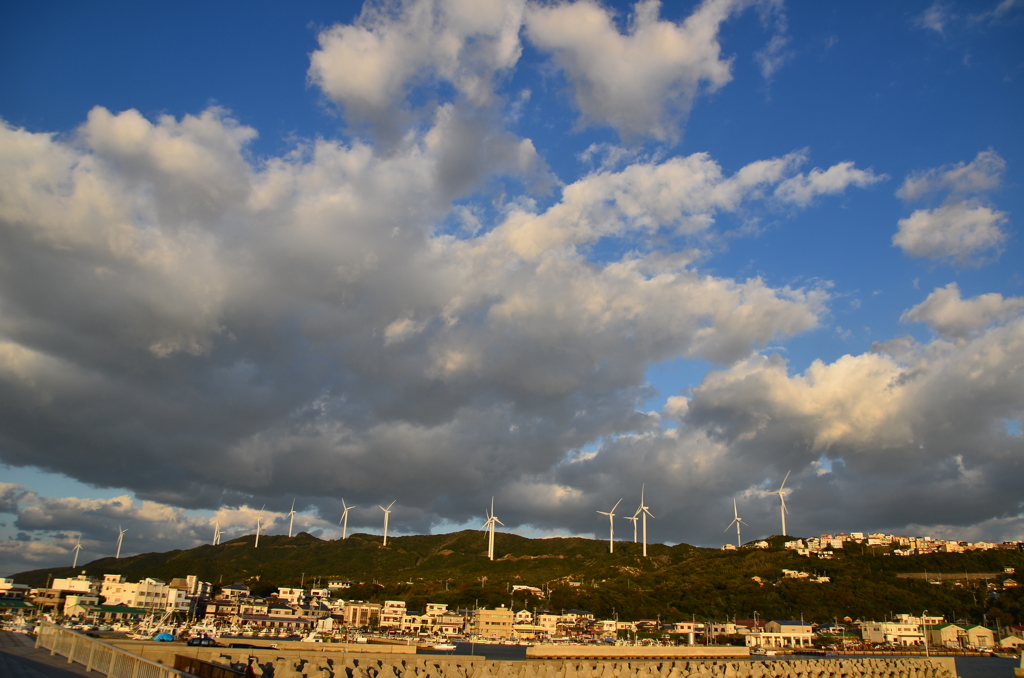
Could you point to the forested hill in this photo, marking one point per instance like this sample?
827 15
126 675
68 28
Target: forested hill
673 583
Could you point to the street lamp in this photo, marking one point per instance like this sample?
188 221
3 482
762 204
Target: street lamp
924 628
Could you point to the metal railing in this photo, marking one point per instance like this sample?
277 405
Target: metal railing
95 655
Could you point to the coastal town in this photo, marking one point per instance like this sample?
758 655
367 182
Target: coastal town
324 612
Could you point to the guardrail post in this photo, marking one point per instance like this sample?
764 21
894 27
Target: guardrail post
71 650
92 653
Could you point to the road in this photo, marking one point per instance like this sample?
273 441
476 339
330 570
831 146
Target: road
19 658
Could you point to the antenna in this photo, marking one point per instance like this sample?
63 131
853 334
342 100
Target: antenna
611 526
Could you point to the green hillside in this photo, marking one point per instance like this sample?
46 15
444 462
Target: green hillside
673 583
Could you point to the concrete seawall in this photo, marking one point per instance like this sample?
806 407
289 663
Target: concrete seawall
635 652
314 663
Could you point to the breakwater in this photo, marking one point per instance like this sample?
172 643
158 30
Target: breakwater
319 662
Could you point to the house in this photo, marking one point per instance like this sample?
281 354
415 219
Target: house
782 633
944 635
979 636
892 633
89 586
234 591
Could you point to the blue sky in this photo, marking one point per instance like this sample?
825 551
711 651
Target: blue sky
438 251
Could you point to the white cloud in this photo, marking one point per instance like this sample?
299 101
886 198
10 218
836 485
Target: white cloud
984 173
643 82
803 188
949 315
964 229
50 527
369 66
936 17
962 232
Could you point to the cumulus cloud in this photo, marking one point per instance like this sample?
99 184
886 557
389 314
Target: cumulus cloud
949 315
962 232
964 229
982 174
52 526
642 82
803 188
419 315
229 333
368 67
906 434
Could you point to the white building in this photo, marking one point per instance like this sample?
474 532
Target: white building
148 594
892 633
391 615
782 633
89 586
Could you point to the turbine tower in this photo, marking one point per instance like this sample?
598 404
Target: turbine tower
736 521
782 497
635 517
216 532
491 520
387 512
120 538
259 523
611 526
344 519
291 518
643 512
77 549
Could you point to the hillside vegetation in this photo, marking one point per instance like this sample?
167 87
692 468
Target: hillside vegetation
674 583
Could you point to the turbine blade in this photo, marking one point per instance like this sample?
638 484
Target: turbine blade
784 480
391 504
616 506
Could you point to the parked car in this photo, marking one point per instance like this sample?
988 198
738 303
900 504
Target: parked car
203 641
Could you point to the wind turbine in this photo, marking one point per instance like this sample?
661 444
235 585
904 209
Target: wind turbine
77 549
611 526
736 520
782 497
491 520
259 523
120 537
635 517
344 519
387 512
216 532
643 512
291 518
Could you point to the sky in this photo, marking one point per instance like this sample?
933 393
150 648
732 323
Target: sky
432 252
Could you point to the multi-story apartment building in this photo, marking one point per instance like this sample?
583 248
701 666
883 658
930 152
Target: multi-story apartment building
150 594
391 615
493 623
358 614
